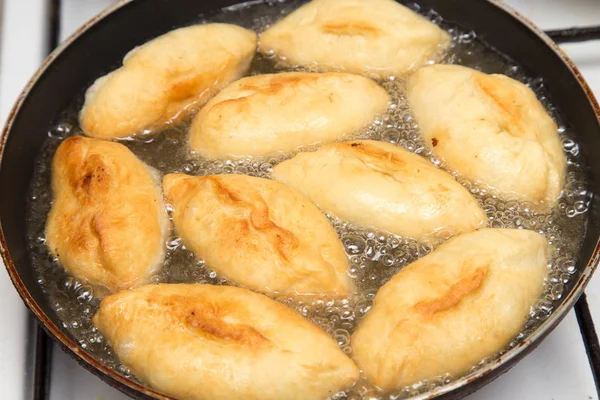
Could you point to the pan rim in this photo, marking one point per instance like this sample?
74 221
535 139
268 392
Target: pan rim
108 374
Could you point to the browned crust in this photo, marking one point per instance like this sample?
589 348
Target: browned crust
87 176
283 240
88 180
279 82
350 28
504 96
83 221
455 294
268 87
374 152
207 319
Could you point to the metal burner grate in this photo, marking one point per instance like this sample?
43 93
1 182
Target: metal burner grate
573 35
590 337
43 344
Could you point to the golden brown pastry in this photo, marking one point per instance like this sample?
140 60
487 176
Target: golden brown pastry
491 129
165 77
259 234
265 114
203 342
374 37
447 311
108 223
379 184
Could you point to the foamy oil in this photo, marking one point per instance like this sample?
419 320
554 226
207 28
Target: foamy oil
374 256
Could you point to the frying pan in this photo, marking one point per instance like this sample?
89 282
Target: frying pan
98 47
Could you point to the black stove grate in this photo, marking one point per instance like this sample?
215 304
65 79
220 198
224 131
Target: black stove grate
43 344
590 337
574 35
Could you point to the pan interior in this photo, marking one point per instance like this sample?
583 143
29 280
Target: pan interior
374 256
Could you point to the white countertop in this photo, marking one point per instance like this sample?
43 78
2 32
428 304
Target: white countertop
557 370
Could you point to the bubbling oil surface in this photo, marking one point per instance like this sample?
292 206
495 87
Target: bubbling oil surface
373 256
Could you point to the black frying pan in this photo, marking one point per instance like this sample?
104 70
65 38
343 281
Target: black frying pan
99 47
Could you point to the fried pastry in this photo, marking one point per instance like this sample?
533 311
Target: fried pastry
374 37
450 309
108 223
259 234
381 185
162 79
203 342
266 114
492 130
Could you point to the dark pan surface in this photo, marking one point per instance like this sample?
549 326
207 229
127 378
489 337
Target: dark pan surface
100 47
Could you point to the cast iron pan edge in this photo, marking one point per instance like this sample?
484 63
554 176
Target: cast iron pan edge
455 390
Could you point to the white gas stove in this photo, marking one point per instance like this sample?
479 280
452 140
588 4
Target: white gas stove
558 370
